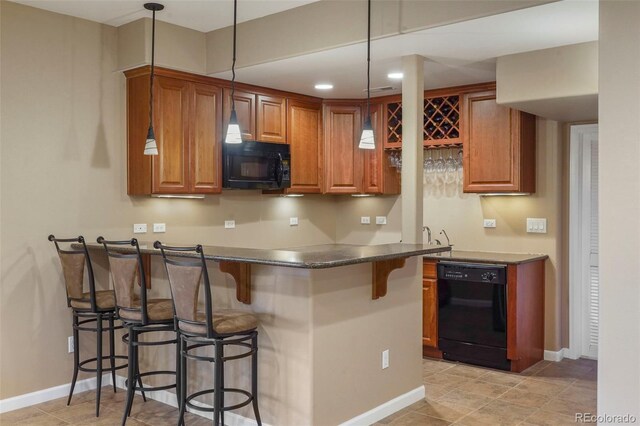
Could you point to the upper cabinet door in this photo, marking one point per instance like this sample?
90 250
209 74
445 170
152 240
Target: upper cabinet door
343 158
271 119
206 139
245 104
305 137
379 176
499 146
171 126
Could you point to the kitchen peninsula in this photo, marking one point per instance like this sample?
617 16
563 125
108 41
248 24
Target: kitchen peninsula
325 319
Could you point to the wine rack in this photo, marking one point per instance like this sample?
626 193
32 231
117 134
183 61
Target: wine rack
441 126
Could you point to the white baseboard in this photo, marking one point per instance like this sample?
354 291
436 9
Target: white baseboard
388 408
44 395
556 356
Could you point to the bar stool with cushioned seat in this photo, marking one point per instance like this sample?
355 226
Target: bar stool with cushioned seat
93 306
140 315
220 328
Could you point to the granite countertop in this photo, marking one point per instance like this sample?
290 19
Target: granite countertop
308 257
486 257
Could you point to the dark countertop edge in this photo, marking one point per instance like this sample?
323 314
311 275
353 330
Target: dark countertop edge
492 257
288 264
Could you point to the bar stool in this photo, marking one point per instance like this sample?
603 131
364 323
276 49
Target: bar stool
140 315
196 329
94 306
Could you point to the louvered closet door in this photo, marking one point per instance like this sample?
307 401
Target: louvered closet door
590 231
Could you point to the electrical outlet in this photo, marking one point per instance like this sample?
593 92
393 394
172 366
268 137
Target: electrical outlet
293 221
139 228
229 224
536 225
489 223
381 220
159 227
365 220
71 347
385 359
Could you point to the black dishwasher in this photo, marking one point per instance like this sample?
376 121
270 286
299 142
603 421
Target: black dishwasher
472 313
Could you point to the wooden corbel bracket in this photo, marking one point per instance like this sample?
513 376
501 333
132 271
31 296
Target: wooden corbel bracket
241 273
381 271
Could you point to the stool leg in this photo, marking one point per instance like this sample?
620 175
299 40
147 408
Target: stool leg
254 378
76 356
112 357
98 361
183 379
217 387
144 397
221 384
131 378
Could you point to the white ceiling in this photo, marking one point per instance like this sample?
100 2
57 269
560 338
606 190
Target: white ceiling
457 54
202 15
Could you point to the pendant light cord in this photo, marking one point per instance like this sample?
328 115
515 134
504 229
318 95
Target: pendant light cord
153 57
233 64
369 59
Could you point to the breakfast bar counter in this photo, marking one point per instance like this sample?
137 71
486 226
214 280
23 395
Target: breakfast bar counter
328 315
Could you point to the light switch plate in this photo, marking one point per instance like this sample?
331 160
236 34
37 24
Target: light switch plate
229 224
536 225
381 220
489 223
139 228
293 221
159 227
365 220
385 359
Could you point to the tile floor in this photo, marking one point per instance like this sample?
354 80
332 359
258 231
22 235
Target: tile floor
546 394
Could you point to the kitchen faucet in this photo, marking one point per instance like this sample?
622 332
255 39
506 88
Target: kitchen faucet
443 232
426 228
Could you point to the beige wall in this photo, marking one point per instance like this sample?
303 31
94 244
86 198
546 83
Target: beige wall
64 172
559 83
619 157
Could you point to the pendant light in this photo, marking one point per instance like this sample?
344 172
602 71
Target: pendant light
367 140
150 146
233 130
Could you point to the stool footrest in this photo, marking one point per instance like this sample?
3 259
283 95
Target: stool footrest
153 388
104 369
211 391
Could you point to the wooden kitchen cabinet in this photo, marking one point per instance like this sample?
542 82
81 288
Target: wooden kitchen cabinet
245 105
304 129
499 146
271 119
430 309
343 158
379 176
187 124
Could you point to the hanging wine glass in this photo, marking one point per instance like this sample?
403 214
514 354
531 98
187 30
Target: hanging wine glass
451 166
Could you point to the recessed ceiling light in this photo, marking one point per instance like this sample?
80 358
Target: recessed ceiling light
395 75
324 86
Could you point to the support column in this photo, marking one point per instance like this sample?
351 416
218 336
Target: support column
412 136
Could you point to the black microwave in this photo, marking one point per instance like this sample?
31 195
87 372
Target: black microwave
256 165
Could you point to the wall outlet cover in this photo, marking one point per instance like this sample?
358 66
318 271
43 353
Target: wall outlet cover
293 221
159 227
381 220
71 347
536 225
229 224
365 220
385 359
489 223
139 228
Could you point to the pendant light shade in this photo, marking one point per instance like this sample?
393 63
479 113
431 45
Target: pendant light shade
233 129
367 139
150 146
